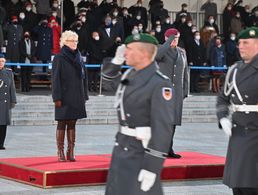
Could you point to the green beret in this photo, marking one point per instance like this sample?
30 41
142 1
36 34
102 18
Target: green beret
142 37
248 33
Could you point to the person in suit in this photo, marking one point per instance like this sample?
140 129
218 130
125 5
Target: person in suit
143 101
241 125
173 63
69 92
7 99
27 55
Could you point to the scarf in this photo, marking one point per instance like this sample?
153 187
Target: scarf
74 56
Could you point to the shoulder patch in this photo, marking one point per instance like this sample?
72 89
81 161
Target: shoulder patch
167 93
161 75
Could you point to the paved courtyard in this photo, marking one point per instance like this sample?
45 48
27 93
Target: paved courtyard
25 141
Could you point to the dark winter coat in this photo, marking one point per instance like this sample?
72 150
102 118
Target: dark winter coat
69 84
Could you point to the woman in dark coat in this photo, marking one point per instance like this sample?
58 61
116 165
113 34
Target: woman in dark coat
69 92
7 99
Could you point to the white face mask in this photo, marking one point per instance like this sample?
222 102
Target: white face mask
233 38
140 27
183 20
194 30
158 29
138 17
114 22
28 9
96 38
22 16
54 14
167 21
115 13
135 31
211 21
197 37
83 19
55 5
189 24
125 12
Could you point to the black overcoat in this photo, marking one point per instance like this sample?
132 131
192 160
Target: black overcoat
69 87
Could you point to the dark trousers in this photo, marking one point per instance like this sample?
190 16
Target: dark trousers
25 78
245 191
195 78
171 151
2 134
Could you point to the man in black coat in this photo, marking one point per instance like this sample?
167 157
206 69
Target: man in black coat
241 94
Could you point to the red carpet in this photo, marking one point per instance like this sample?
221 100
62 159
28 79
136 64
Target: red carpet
46 172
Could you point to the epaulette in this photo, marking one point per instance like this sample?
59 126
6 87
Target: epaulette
161 74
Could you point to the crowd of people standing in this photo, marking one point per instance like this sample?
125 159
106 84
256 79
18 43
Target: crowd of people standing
30 32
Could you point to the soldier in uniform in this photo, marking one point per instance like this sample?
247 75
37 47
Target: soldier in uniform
142 101
173 63
241 94
7 99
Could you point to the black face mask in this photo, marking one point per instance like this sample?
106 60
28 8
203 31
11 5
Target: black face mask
15 23
44 24
26 36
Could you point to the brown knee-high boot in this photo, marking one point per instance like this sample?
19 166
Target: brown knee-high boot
60 134
70 147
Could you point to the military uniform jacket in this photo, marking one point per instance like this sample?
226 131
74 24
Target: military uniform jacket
242 156
7 95
144 105
173 63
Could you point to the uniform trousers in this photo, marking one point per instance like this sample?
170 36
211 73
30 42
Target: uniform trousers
2 134
173 129
245 191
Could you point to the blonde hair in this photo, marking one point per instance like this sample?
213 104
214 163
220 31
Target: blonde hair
66 35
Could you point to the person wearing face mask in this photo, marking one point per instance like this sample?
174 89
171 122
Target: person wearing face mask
138 9
95 56
218 59
211 24
56 29
236 24
108 34
45 42
159 34
14 33
56 14
228 14
182 12
246 17
197 57
126 17
56 10
209 8
30 19
168 23
27 51
232 50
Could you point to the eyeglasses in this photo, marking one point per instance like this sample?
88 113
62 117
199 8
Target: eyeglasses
73 41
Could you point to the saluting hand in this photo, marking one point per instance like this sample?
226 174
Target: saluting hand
58 103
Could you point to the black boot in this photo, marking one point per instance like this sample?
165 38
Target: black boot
2 136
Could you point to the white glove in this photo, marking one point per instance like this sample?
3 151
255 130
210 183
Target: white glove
226 126
119 57
147 179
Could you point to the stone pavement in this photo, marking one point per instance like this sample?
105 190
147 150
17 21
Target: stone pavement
24 141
